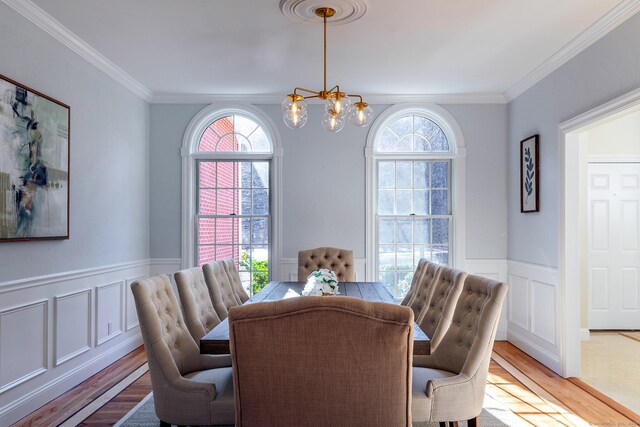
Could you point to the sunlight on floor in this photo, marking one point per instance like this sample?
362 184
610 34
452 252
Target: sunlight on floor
611 364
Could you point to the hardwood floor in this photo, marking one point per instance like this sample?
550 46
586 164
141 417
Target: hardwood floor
537 395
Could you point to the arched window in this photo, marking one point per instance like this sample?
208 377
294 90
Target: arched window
415 173
228 195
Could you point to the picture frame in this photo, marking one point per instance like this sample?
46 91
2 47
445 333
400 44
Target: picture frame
34 164
529 175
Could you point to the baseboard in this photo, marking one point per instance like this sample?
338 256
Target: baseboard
45 393
585 334
540 354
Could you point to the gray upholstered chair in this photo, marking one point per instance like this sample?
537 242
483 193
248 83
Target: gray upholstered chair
449 385
357 376
234 278
189 388
417 276
338 260
220 289
435 317
197 307
420 297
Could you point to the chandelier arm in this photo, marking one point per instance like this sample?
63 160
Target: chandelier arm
355 95
311 96
301 89
335 89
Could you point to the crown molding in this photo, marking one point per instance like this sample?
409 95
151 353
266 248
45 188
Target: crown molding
473 98
55 29
616 16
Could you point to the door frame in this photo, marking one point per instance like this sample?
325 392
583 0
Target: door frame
570 242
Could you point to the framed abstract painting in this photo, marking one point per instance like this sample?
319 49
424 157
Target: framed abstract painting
529 175
34 164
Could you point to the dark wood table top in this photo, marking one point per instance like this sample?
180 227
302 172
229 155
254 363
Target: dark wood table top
217 340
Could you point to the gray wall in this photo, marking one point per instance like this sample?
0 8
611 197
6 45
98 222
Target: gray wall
323 187
604 71
109 156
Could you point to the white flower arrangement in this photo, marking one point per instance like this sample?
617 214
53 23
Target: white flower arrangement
321 282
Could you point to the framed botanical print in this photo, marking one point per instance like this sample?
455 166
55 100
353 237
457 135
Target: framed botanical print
34 164
529 175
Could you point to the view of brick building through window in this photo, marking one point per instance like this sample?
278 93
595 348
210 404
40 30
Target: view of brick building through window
233 200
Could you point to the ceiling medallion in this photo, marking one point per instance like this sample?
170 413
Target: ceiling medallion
305 10
339 105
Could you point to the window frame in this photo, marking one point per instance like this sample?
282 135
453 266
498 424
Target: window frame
191 156
456 156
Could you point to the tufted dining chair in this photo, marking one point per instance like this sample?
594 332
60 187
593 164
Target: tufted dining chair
338 260
358 377
435 317
234 278
220 289
189 388
449 385
420 297
199 313
415 280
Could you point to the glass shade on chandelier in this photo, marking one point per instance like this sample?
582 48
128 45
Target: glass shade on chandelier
360 114
332 122
294 111
338 104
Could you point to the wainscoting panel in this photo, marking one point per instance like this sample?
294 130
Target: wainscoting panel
130 313
108 311
23 343
493 269
72 319
534 316
49 330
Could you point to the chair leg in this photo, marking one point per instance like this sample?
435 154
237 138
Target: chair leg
454 424
473 422
444 424
164 424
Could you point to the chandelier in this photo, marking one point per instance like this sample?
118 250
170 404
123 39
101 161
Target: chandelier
338 105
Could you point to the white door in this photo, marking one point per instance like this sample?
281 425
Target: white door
614 246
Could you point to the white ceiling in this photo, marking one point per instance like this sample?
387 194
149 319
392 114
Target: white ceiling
404 47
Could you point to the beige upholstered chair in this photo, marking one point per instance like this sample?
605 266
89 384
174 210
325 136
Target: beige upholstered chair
234 278
338 260
220 289
435 317
189 388
417 276
197 307
449 384
420 297
356 375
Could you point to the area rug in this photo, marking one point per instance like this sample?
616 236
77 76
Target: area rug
494 414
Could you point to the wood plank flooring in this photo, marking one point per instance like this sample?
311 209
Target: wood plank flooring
534 393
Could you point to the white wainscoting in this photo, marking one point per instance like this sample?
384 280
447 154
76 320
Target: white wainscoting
533 311
493 269
50 328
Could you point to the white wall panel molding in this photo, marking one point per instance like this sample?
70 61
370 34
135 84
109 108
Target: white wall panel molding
23 343
36 397
494 269
130 313
72 325
55 29
67 276
595 32
533 316
109 311
289 269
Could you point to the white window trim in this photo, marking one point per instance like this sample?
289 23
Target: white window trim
190 155
454 135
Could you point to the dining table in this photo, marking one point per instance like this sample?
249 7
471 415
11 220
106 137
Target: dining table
216 341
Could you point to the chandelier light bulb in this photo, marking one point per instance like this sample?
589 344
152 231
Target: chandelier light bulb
339 104
295 120
332 122
294 104
360 114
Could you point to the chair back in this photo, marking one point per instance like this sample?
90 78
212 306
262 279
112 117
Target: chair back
197 306
335 259
436 315
234 278
220 290
420 297
467 345
347 362
170 349
415 280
